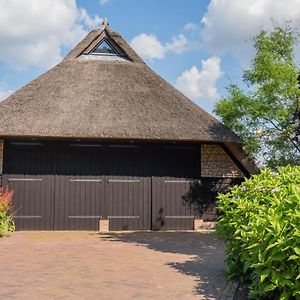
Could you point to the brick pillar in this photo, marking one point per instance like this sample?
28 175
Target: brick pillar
200 224
104 225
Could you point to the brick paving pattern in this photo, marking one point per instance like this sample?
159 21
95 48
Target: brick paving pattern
87 265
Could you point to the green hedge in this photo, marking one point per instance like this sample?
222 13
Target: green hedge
260 222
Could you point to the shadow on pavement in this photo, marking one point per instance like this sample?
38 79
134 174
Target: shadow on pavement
207 251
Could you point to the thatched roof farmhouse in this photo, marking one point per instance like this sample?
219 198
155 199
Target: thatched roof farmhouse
102 139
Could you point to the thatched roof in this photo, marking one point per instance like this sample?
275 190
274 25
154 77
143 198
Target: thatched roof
107 99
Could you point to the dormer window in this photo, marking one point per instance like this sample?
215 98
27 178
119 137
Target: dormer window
104 48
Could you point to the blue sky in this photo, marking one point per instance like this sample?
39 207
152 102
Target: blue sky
199 46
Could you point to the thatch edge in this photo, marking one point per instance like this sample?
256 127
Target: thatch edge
120 139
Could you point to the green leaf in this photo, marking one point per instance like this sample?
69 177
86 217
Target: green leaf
269 288
293 257
272 245
264 274
284 296
278 257
297 250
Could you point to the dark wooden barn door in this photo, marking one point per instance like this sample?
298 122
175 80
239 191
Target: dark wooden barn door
169 210
70 186
129 203
179 166
57 186
79 188
28 170
33 200
128 188
79 202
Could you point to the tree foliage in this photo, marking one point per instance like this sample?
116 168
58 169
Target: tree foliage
266 114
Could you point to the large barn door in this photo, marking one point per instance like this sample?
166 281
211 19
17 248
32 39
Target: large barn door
28 170
33 200
128 199
178 166
79 202
79 186
66 186
128 189
170 212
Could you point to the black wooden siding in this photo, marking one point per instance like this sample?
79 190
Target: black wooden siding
71 185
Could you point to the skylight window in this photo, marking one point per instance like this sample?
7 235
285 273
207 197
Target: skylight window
104 48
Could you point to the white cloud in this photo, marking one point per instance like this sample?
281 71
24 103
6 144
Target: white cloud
150 47
229 24
4 94
33 32
190 27
177 45
87 20
200 85
103 2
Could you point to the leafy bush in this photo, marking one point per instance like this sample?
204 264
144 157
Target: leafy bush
6 221
260 222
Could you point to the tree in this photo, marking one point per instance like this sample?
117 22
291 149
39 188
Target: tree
266 114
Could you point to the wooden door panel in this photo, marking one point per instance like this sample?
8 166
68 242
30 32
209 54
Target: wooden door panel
128 201
79 202
33 200
169 211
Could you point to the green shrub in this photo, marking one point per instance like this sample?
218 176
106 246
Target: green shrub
260 222
6 221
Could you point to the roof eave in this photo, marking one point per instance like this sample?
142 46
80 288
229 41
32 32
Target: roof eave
136 139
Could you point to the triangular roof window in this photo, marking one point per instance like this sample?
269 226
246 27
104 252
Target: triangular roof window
104 48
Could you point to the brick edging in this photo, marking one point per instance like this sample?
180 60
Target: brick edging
229 290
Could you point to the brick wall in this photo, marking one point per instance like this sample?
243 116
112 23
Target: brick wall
216 163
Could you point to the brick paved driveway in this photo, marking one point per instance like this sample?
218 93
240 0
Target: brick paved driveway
85 265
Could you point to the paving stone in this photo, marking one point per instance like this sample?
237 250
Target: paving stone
136 265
